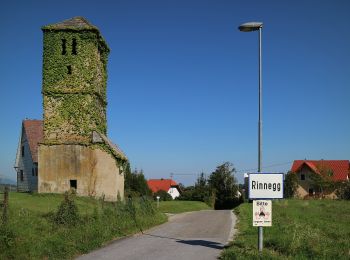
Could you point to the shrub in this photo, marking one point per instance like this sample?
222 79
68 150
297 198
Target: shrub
164 196
343 192
67 213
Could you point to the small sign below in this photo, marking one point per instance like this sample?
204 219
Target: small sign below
262 213
265 186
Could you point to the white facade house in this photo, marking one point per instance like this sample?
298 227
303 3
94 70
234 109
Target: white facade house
174 192
168 185
26 164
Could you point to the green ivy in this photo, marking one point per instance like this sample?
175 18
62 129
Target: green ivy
74 103
74 87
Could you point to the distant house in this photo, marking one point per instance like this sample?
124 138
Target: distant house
168 185
26 164
337 170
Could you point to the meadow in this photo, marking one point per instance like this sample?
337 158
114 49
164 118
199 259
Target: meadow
39 227
35 230
301 229
179 206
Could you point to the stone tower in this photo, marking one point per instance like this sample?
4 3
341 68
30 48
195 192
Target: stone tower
75 152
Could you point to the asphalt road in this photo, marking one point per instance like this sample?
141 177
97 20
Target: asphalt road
194 235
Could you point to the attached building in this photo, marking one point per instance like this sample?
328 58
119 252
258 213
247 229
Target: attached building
26 164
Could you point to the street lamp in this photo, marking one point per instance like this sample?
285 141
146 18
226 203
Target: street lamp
250 27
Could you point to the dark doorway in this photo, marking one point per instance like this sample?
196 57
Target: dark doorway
73 184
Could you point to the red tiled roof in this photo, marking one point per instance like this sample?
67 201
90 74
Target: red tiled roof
34 132
161 184
340 168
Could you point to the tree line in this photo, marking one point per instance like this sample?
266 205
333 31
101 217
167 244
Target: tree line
219 190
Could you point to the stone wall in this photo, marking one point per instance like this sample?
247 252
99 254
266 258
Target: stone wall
93 171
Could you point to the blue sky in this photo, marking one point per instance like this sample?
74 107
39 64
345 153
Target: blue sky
183 81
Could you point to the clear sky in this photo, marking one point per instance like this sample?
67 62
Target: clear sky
183 80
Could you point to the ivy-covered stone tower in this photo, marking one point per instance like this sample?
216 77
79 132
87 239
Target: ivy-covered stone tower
74 81
75 147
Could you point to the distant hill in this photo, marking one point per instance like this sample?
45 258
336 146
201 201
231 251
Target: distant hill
7 181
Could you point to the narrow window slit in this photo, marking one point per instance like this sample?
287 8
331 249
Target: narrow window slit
74 46
69 69
64 41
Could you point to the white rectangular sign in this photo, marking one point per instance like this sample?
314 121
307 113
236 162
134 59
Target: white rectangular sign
265 186
262 213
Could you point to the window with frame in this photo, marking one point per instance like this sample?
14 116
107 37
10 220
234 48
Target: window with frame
21 175
302 177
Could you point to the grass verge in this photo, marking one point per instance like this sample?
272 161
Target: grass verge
313 229
31 232
179 206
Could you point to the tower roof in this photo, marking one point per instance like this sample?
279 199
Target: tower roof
77 23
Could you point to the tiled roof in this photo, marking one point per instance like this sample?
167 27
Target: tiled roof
76 23
34 132
340 168
161 184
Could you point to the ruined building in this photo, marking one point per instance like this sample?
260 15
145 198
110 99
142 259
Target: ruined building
75 151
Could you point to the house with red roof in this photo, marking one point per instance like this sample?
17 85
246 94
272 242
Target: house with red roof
168 185
335 170
26 164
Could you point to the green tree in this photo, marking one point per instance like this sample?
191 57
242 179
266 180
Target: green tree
136 183
223 183
290 184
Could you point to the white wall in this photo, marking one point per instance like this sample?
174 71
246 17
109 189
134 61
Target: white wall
174 193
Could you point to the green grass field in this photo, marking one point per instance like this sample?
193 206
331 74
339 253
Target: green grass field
31 232
179 206
301 229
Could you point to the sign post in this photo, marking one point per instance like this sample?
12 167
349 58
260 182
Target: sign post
158 201
262 188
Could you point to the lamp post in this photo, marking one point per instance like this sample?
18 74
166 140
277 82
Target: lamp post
250 27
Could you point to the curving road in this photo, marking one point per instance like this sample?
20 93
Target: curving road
192 235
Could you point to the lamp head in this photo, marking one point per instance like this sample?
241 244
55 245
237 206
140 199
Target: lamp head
251 26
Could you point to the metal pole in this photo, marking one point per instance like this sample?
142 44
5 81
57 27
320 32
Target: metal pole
261 234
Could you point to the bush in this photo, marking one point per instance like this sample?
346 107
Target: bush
343 192
67 213
164 196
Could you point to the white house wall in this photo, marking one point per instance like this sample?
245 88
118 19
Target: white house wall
25 163
173 192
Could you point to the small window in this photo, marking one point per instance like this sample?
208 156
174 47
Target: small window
69 69
21 177
36 171
22 151
74 46
73 184
64 41
33 173
302 177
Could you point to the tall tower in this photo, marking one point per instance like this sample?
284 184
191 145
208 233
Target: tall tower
74 81
75 151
